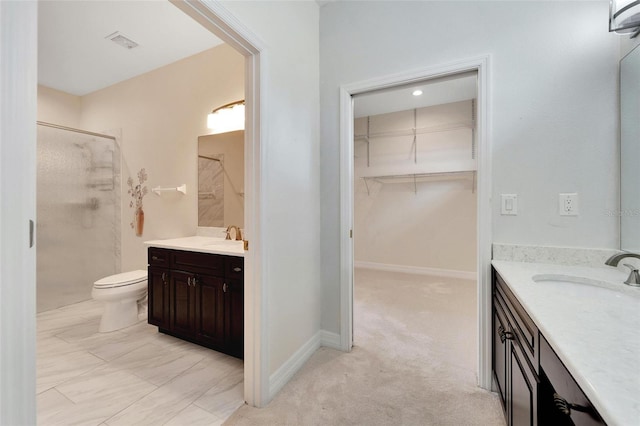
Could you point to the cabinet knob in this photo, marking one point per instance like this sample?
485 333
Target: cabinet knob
154 257
504 335
237 269
225 287
164 277
565 406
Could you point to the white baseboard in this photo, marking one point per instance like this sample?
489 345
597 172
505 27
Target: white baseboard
448 273
291 366
330 340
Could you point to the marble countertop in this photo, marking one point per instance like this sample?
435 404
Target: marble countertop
201 244
594 331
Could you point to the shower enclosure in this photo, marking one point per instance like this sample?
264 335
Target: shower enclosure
78 213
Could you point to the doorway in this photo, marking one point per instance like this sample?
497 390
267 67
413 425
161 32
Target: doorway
18 364
482 183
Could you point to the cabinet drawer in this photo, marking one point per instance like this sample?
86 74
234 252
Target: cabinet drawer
234 267
211 264
559 385
159 257
523 326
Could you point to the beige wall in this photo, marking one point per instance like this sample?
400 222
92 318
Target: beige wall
59 107
159 116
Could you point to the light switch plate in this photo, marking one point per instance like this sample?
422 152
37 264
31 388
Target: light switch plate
509 204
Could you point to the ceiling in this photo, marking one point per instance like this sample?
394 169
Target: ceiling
75 57
459 87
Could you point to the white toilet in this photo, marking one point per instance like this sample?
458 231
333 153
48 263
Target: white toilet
124 296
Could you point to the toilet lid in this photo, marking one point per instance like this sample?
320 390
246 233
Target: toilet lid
122 279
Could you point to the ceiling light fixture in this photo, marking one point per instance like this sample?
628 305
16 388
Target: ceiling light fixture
417 92
227 118
624 17
122 40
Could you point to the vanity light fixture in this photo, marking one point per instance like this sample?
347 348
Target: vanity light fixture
417 92
624 17
227 118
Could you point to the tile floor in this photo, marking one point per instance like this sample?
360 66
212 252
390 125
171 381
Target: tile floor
134 376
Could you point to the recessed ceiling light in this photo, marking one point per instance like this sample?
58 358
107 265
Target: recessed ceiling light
122 40
417 92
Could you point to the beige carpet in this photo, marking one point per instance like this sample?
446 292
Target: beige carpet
413 363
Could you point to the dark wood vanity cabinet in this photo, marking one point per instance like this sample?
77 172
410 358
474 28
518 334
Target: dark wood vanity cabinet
515 351
198 297
534 386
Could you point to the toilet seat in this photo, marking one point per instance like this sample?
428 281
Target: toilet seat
122 280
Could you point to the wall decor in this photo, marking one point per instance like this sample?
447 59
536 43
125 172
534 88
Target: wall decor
137 194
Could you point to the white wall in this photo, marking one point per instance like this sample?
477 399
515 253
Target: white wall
291 162
429 225
553 107
627 44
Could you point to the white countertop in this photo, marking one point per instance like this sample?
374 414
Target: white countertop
201 244
595 332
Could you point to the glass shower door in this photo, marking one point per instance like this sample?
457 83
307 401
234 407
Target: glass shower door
78 214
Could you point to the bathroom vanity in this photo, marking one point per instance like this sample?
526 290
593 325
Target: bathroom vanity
565 344
196 292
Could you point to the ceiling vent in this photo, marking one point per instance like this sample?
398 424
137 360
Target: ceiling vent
122 40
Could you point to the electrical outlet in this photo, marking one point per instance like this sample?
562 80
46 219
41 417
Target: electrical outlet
568 204
509 204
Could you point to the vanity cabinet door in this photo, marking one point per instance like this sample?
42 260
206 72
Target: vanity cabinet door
210 320
514 355
234 307
523 395
182 298
158 296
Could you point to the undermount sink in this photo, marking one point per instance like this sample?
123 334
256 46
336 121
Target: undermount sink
568 279
580 287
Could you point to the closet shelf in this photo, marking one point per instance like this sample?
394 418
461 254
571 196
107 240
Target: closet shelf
421 177
418 131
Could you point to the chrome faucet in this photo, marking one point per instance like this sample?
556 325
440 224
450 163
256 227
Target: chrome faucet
634 276
238 233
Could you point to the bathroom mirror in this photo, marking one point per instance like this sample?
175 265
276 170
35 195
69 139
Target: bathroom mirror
221 179
630 151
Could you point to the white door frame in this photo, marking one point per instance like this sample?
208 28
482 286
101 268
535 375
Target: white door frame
224 25
481 65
